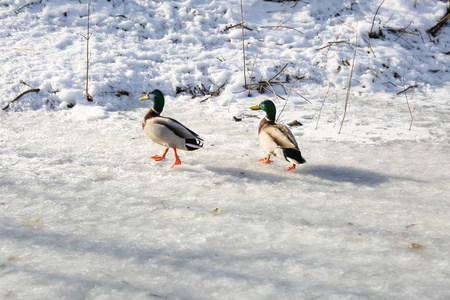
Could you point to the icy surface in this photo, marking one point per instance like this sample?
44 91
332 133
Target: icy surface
86 214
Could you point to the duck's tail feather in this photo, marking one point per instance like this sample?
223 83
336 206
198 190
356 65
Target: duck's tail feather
194 144
293 155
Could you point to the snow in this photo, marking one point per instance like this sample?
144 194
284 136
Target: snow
86 214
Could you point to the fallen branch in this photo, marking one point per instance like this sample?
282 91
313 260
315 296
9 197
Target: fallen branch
409 87
236 25
20 96
23 6
329 45
433 30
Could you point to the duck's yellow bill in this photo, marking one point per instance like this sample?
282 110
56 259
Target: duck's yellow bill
144 98
255 107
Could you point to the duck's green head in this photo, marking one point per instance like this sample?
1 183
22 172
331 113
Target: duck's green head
158 99
268 107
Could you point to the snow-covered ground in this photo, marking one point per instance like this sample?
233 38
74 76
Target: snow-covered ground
86 214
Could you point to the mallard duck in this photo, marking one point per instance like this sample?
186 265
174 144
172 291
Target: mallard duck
166 131
277 139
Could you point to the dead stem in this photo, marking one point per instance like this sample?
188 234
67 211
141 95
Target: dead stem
406 96
253 65
349 85
243 44
20 96
373 21
285 102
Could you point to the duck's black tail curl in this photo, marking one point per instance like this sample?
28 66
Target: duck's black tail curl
294 156
194 144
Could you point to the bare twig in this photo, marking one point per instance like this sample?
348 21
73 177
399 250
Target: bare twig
282 83
20 96
236 25
373 21
387 21
88 37
285 102
433 30
403 31
370 46
347 25
329 44
409 87
349 85
23 6
243 44
375 71
273 91
279 72
251 74
406 96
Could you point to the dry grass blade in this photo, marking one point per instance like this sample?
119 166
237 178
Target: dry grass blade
330 44
285 102
243 44
349 85
87 37
403 31
347 25
273 91
373 21
253 65
304 98
406 96
279 72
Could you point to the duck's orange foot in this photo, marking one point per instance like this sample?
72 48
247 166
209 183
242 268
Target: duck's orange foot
177 162
290 168
158 158
265 160
177 159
